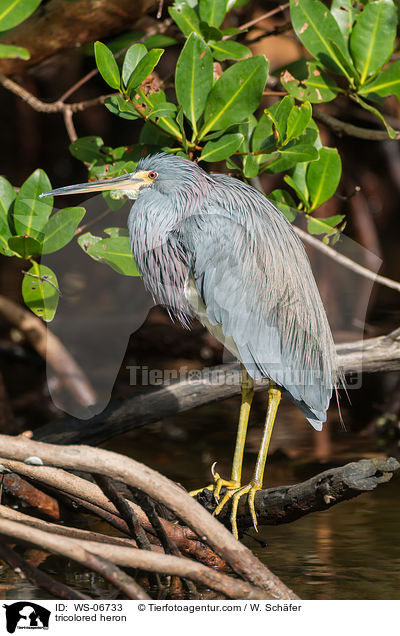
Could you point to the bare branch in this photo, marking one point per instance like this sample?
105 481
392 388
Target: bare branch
264 16
343 128
53 107
30 495
65 531
214 383
336 256
345 261
285 504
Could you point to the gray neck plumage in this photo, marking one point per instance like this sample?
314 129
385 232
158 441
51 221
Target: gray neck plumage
153 224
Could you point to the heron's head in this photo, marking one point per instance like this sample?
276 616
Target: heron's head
166 173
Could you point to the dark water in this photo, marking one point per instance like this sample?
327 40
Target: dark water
349 552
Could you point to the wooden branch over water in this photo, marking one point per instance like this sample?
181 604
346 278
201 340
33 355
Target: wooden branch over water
215 383
285 504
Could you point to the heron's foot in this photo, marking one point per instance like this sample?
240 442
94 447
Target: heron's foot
217 486
235 494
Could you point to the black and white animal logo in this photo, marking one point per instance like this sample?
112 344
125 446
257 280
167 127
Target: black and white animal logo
26 615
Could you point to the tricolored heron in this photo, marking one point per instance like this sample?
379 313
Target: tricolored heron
213 247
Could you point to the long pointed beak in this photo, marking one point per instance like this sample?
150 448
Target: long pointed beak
126 182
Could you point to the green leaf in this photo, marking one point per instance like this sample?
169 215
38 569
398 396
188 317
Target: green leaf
40 291
10 51
13 12
390 131
7 198
386 83
210 33
60 228
147 104
262 132
30 212
212 11
324 226
159 41
323 176
316 28
221 149
117 105
246 129
115 252
132 57
236 94
284 202
114 232
235 4
297 181
298 120
87 240
194 78
372 38
278 114
86 148
185 17
251 166
343 12
229 50
24 246
290 156
352 74
144 68
306 81
107 65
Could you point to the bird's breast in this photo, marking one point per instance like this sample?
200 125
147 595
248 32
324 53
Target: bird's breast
199 310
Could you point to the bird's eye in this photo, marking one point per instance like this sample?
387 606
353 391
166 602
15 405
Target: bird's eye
153 175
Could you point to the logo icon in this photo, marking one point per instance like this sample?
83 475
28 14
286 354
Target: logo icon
26 615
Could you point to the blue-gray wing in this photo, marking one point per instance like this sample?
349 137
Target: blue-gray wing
254 278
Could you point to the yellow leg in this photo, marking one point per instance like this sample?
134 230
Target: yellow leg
235 494
236 475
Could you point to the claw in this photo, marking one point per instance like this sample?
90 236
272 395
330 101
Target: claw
236 494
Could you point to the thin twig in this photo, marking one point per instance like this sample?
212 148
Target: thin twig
167 544
44 278
69 124
278 30
341 127
128 515
160 9
347 262
53 107
65 531
336 256
159 28
264 16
